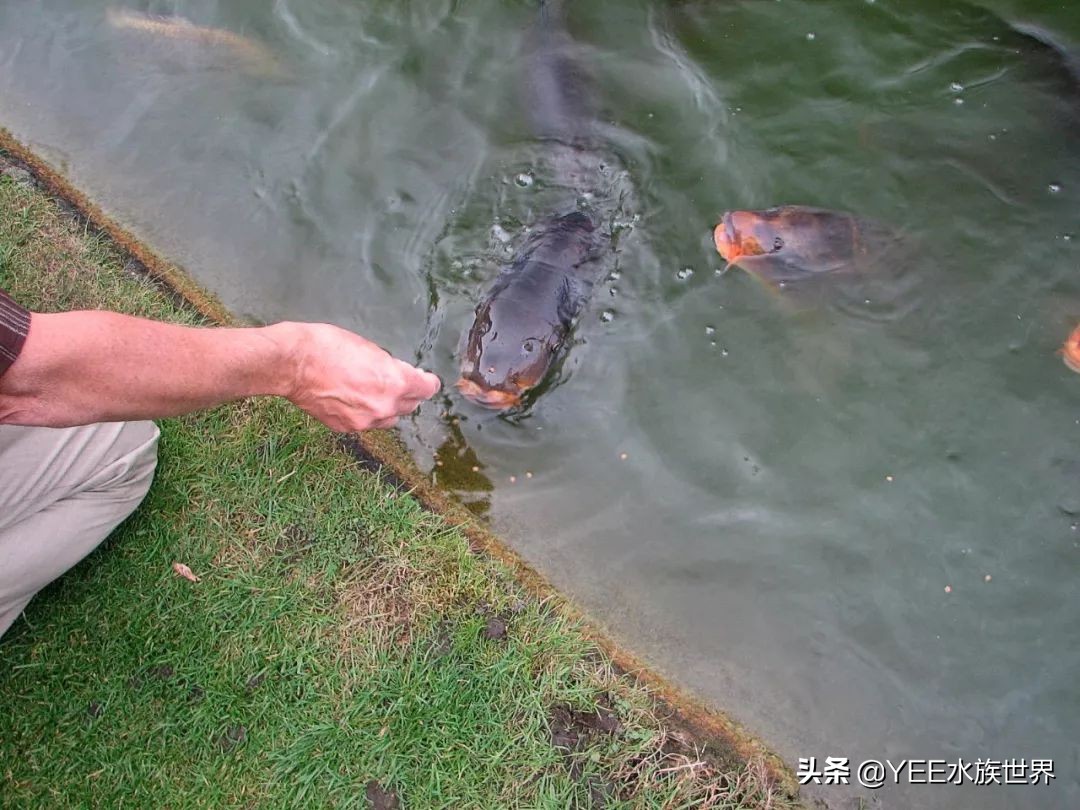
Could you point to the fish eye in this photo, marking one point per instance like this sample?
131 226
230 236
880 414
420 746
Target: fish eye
527 346
777 244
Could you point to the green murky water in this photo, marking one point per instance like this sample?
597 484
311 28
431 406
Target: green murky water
766 493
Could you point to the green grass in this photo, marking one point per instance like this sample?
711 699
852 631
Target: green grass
341 645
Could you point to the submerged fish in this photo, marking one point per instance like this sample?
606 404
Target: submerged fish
793 242
256 56
522 325
1070 351
524 321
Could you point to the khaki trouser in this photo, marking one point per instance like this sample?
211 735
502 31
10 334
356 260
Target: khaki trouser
62 490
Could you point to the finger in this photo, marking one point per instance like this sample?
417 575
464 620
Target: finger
422 384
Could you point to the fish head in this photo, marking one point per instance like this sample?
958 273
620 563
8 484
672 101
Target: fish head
743 234
506 356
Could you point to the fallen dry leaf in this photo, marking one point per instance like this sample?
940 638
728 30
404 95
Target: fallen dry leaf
184 571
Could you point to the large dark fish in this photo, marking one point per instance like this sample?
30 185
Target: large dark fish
523 323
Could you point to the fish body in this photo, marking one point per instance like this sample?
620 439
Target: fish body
792 242
253 54
523 323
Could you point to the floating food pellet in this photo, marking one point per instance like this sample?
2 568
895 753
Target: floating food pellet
1054 188
607 316
709 330
438 463
811 36
889 478
513 479
623 456
528 475
685 273
948 589
987 578
475 468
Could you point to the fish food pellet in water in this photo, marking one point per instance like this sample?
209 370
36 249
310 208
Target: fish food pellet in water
513 479
528 475
623 456
948 589
987 578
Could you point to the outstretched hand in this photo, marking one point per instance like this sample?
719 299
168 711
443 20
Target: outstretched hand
350 384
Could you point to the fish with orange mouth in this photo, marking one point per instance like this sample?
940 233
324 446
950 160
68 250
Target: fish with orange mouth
793 242
522 326
524 322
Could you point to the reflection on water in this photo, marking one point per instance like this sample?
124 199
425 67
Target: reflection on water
847 514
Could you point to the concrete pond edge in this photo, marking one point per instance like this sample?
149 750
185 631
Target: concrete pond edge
720 738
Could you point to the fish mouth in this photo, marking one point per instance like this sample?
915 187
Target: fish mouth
1070 352
724 239
488 397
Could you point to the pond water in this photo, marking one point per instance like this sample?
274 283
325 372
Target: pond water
847 514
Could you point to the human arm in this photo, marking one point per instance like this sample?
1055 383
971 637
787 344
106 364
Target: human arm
93 366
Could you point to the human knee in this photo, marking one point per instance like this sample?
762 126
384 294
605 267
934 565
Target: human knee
141 460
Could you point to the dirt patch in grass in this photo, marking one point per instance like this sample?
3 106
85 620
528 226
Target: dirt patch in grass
380 798
376 604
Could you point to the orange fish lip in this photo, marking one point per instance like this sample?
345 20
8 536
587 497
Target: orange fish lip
724 239
488 397
1070 351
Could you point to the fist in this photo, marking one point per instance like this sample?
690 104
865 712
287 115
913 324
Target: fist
350 384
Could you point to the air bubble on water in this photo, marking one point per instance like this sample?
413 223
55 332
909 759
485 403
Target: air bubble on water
958 101
1054 188
956 87
712 343
710 330
993 137
614 291
811 36
614 275
524 180
724 352
650 115
1067 237
685 273
607 316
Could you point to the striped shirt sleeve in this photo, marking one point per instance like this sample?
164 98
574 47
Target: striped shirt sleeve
14 324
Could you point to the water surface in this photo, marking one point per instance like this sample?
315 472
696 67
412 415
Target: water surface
767 493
